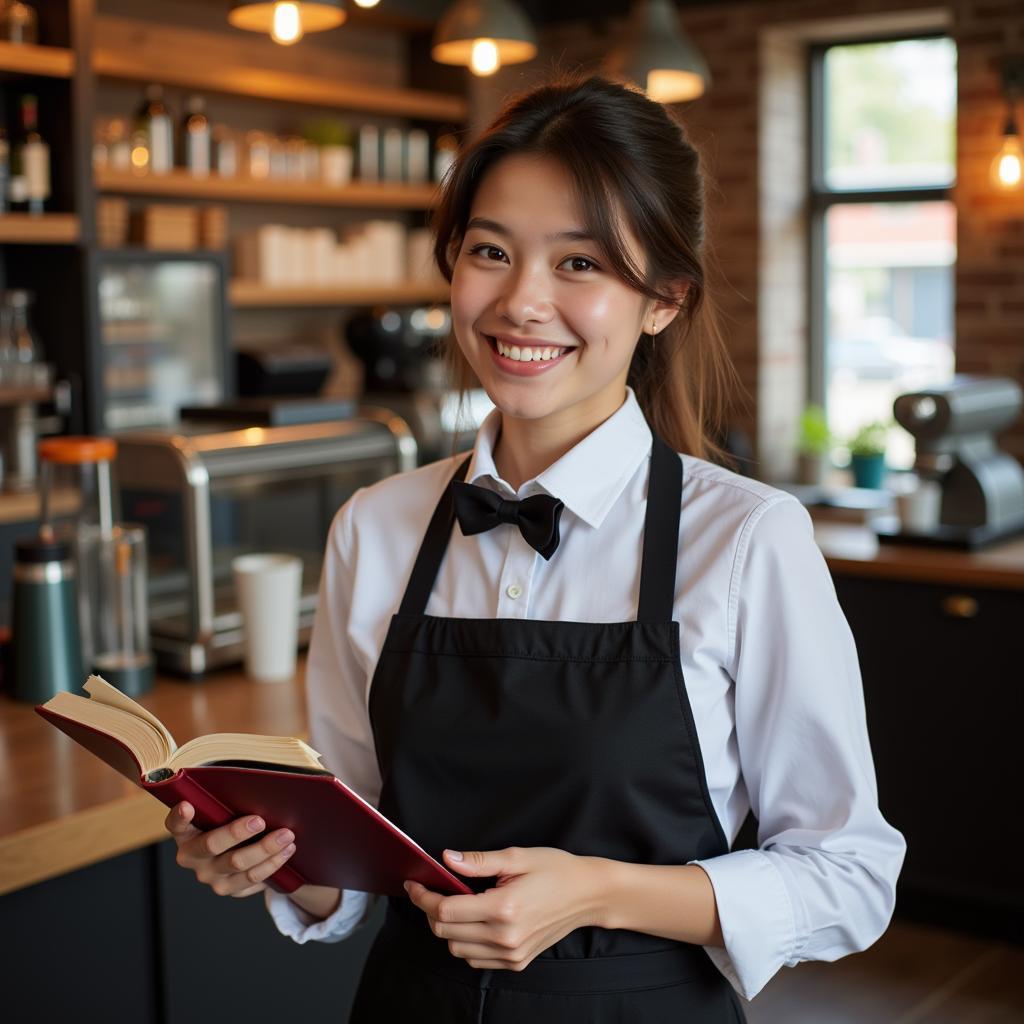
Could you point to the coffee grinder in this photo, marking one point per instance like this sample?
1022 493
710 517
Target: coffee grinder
954 427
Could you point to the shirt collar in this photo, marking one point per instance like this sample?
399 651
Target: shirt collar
617 447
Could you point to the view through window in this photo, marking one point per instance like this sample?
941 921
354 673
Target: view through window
884 147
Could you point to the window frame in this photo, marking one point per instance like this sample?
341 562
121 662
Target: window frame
821 198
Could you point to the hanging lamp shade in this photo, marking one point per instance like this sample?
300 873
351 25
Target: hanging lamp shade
657 56
469 23
258 15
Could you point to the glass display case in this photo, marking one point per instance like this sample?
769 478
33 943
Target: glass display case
163 336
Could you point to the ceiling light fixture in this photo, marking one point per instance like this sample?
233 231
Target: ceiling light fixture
483 35
287 21
657 56
1008 165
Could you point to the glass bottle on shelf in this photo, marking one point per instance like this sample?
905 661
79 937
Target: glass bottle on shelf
100 145
8 349
258 155
119 147
5 169
154 121
33 158
195 134
26 348
225 151
19 23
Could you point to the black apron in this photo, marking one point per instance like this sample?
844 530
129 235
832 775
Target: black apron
502 732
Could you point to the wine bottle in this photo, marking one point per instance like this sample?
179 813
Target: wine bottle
154 120
195 135
33 157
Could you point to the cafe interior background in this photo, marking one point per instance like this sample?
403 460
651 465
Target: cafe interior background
214 250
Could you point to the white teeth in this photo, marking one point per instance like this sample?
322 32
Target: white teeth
527 354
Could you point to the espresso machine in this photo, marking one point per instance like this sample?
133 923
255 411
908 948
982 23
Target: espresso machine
982 488
400 350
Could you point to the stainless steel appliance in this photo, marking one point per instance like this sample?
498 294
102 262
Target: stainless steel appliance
954 427
207 493
400 350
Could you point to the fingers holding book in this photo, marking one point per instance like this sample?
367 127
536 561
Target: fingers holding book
219 859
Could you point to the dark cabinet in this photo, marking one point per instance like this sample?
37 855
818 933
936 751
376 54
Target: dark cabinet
224 959
138 939
82 947
943 668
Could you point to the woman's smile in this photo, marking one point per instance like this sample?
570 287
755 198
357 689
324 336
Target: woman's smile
526 356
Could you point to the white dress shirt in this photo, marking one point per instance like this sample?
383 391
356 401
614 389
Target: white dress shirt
768 660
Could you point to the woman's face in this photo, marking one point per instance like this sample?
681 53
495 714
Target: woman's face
548 329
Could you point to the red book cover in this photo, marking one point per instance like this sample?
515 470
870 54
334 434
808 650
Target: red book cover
340 839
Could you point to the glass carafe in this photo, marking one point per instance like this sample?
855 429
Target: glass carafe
110 558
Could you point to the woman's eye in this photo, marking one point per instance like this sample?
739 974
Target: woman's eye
487 251
579 263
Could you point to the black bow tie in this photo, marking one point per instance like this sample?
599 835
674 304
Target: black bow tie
479 509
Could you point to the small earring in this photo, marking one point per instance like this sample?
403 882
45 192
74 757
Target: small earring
654 327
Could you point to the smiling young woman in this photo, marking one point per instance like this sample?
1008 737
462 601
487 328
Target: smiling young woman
572 662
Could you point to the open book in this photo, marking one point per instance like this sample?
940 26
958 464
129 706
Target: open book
340 839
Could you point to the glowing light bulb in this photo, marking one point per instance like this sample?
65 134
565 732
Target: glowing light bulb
1008 166
484 59
287 27
366 3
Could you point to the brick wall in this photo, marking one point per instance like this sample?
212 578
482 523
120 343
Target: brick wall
749 128
990 232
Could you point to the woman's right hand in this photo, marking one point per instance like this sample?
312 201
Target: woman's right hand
216 857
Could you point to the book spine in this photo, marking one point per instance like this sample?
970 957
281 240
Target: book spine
210 813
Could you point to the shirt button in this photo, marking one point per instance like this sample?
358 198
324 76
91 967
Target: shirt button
514 590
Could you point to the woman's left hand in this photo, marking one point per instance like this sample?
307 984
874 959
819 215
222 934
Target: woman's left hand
541 895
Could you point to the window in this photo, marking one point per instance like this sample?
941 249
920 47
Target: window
883 228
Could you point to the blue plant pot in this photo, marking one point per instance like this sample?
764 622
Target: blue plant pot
868 470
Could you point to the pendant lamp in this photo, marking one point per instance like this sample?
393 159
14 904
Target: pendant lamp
482 35
657 56
1008 166
287 21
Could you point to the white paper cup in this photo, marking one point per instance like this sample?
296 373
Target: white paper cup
268 588
920 509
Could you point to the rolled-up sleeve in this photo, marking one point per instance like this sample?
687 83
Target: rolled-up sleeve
822 882
339 727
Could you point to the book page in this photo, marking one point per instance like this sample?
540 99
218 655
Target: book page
99 689
286 751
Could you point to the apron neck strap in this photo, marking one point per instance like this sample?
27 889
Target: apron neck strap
435 543
661 534
661 540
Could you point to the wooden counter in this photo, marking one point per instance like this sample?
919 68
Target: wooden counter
855 551
61 808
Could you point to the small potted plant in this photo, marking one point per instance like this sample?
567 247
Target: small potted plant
334 139
814 446
867 454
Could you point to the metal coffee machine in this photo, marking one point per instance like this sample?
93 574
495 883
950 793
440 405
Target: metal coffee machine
954 427
404 371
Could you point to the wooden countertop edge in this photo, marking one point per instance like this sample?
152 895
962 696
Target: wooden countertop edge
77 840
922 572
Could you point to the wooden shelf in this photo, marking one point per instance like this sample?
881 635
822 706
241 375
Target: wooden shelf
255 295
50 61
262 83
45 228
180 184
